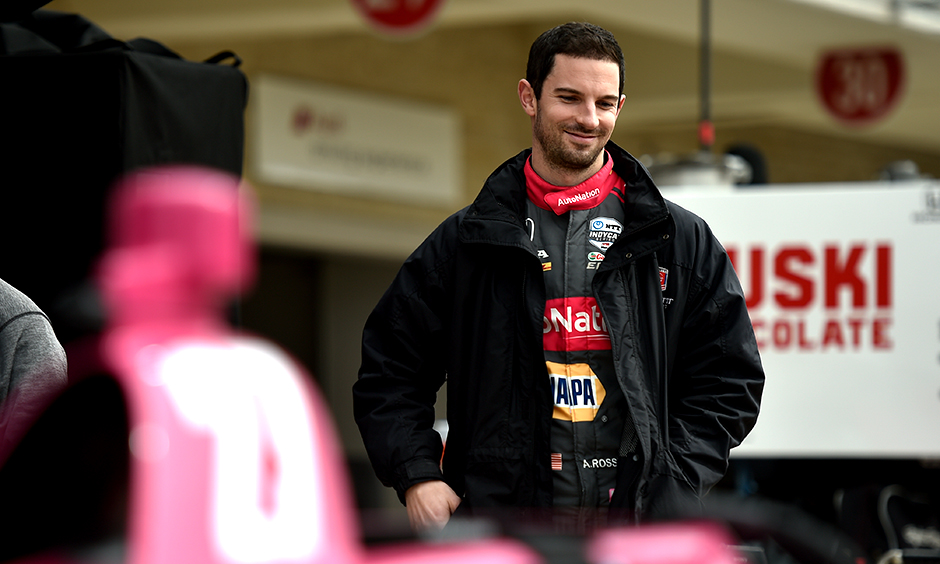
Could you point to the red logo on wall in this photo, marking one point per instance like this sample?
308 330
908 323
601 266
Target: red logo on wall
859 86
398 17
804 297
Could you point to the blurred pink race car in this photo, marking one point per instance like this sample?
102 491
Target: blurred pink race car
181 441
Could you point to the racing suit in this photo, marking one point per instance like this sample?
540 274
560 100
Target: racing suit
469 306
572 228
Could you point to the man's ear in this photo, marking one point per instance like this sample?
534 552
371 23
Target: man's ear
527 97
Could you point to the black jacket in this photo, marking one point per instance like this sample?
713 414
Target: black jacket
467 306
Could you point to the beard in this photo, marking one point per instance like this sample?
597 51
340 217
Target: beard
558 152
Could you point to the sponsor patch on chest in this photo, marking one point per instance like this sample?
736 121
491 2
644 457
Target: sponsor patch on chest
576 391
574 324
603 231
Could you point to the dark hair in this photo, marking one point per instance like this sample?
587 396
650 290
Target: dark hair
574 39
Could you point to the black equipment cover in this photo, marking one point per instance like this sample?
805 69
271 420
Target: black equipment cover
80 108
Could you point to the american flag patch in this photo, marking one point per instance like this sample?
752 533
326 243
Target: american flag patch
663 276
556 461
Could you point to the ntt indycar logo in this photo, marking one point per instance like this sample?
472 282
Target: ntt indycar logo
576 391
574 324
603 232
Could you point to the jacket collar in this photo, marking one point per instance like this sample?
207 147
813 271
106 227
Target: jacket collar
497 215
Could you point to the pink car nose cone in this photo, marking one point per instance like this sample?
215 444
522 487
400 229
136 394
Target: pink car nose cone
233 457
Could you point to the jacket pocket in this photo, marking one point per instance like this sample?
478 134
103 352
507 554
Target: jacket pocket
494 477
668 494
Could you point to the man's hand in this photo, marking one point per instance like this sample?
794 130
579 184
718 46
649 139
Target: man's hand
430 505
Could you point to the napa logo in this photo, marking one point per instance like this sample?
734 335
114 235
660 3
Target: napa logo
577 392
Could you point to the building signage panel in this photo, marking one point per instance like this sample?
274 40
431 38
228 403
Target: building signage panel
315 136
841 283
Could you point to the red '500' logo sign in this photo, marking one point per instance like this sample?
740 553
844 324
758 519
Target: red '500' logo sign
859 86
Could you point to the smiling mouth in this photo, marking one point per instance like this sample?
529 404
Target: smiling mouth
584 137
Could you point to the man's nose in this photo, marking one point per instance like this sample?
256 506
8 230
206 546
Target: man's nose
587 117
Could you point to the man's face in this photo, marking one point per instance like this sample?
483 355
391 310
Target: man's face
576 114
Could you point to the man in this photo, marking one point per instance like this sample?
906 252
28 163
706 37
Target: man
33 366
594 337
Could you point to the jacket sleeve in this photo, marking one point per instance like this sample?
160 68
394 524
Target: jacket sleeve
717 379
403 368
33 365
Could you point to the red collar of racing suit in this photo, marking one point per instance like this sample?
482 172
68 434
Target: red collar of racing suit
584 196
